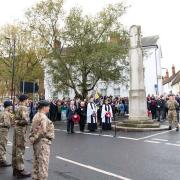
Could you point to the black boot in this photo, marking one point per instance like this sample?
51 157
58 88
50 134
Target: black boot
14 172
177 129
170 127
4 164
21 174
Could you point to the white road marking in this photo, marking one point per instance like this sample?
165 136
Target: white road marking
103 135
93 168
171 144
154 142
106 135
163 140
128 138
95 134
121 137
10 144
62 130
146 137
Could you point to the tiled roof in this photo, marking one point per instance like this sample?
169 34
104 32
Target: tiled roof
176 79
173 79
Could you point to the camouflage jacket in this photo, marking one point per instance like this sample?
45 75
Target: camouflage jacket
6 119
22 116
42 127
172 104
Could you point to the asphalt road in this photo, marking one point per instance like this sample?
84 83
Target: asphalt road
101 156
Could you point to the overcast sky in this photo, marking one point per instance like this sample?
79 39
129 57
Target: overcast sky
156 17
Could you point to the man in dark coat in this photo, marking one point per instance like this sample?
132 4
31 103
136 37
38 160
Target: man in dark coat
70 113
82 111
53 111
153 107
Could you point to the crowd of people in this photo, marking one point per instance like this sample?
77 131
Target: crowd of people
38 114
67 109
157 107
92 111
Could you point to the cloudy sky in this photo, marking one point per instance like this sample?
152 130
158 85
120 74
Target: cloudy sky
156 17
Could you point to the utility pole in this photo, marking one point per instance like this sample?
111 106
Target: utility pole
13 72
13 48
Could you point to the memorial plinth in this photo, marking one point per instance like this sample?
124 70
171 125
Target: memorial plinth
138 117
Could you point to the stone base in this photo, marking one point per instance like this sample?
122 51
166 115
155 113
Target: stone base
138 118
147 121
141 125
133 129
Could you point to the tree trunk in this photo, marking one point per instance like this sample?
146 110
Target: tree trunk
84 86
84 94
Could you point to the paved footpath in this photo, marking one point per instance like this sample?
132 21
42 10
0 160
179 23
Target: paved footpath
101 156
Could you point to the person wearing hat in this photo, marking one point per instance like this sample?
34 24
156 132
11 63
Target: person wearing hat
6 120
106 115
41 136
19 138
71 111
92 115
82 111
172 105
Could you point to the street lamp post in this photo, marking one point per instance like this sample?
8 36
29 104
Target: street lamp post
13 69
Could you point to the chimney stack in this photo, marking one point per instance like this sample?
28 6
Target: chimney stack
173 70
167 74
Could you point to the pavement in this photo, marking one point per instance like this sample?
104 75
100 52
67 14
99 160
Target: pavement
101 156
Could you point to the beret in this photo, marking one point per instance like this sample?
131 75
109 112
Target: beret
23 97
7 104
43 103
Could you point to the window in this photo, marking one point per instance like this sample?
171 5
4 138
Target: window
103 92
117 91
55 94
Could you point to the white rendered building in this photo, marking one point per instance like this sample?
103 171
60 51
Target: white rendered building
152 73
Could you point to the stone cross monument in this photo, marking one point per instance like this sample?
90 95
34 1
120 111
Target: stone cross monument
137 94
138 118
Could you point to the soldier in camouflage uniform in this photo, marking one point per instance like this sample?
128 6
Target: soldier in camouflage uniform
19 139
6 119
172 105
41 135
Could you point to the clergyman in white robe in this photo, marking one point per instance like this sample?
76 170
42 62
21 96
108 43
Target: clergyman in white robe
92 116
106 116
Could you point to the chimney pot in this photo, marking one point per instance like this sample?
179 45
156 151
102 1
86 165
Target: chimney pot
173 70
167 74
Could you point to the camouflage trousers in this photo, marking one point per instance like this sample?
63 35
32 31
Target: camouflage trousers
19 146
41 160
3 143
172 117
